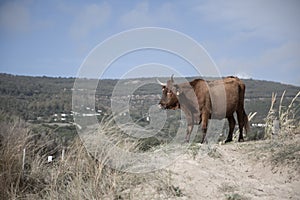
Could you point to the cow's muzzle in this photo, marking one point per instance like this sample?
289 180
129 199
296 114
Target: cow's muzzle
162 105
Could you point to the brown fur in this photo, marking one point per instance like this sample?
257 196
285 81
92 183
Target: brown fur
201 101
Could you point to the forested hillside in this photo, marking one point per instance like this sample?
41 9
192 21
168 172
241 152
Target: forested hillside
34 98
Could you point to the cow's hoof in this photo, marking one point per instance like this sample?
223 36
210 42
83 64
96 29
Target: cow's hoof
241 139
204 142
228 140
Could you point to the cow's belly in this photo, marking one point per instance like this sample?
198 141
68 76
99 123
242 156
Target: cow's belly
218 116
221 111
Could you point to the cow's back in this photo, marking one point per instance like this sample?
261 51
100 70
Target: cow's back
225 95
218 98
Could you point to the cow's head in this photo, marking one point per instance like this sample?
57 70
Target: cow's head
170 94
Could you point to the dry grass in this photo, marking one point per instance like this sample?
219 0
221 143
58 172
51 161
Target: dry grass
288 155
284 147
11 152
286 115
77 176
282 154
235 196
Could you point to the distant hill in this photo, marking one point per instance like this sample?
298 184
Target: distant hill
34 98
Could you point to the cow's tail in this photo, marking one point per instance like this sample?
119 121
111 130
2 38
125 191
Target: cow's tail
246 122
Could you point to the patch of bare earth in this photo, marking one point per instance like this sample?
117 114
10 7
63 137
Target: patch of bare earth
266 169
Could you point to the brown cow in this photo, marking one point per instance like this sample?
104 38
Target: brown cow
202 100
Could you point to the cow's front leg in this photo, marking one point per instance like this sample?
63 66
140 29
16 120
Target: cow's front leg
188 132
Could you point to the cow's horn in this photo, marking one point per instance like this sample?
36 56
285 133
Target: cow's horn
172 78
160 83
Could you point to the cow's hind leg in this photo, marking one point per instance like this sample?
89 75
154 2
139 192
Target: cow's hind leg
204 128
231 122
240 116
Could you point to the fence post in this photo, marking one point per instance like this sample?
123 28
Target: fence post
63 148
275 127
23 160
63 154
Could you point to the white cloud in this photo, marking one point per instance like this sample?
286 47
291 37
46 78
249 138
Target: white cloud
145 15
138 16
286 55
263 37
280 63
271 19
14 17
91 17
243 75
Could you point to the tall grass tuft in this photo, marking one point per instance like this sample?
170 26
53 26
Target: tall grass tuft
77 176
287 116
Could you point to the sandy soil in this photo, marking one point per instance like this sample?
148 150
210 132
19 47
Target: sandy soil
249 170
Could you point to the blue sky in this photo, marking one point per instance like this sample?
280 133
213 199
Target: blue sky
254 38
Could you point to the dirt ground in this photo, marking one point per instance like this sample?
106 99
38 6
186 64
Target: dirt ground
267 169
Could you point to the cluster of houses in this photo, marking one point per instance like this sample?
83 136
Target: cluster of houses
62 117
258 125
68 117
